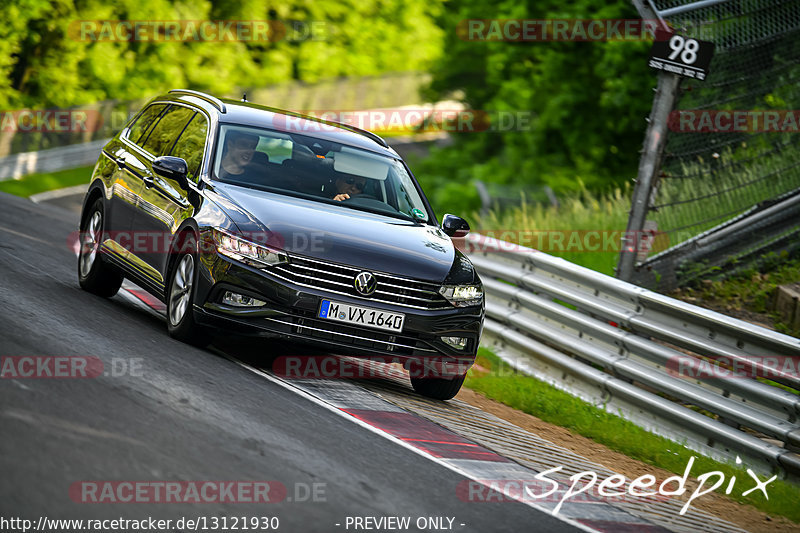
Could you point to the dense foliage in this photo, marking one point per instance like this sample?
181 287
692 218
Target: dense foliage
46 62
588 102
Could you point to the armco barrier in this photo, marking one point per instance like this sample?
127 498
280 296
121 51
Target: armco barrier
660 358
52 160
79 155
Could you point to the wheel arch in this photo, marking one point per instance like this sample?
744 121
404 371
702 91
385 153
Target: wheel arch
188 228
96 190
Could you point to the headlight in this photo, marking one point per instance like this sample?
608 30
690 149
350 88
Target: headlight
462 295
253 254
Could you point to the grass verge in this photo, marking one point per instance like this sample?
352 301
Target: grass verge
748 293
585 229
36 183
527 394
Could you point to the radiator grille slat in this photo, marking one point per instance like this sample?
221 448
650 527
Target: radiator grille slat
336 278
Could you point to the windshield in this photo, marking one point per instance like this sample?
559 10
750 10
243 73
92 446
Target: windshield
317 169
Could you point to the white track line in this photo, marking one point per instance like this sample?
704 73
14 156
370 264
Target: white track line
344 414
58 193
387 436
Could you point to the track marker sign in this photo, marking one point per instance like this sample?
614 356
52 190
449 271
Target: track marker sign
684 56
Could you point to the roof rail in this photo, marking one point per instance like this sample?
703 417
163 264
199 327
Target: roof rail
216 102
374 136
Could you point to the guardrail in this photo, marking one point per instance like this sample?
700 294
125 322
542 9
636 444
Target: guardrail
659 360
79 155
494 196
51 160
743 242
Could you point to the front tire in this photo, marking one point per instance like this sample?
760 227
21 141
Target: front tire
438 388
180 302
94 275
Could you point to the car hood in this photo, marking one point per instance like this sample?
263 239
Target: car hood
340 234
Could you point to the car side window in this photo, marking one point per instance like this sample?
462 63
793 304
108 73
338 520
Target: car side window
191 143
143 122
163 135
278 150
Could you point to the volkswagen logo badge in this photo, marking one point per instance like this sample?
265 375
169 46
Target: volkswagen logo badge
365 283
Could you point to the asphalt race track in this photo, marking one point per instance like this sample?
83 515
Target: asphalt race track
187 415
333 454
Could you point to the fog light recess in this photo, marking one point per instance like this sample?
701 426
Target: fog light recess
459 343
240 300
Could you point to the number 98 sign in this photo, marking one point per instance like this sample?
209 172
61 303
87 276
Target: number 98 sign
681 55
686 49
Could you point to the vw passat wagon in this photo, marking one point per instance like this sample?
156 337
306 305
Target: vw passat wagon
251 220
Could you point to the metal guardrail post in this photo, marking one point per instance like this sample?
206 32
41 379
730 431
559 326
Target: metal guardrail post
486 199
649 164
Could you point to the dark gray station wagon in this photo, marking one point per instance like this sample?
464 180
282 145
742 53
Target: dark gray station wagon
251 220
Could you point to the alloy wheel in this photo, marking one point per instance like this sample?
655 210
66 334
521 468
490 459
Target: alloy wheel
181 290
90 243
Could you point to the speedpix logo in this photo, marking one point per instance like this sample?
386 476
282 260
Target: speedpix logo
587 487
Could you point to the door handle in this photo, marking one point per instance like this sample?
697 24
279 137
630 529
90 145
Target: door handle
120 161
148 180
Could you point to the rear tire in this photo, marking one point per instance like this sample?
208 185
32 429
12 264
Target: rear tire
180 303
94 275
438 388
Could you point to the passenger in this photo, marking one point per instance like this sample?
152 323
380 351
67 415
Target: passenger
350 185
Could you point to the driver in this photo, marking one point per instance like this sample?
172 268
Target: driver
239 150
350 185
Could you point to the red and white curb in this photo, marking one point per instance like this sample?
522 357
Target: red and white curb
435 443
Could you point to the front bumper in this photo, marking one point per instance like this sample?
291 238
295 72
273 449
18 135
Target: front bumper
292 312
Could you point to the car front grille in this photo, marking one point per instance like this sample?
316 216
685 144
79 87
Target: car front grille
336 278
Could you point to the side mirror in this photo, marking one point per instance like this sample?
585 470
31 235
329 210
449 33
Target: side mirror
174 168
454 226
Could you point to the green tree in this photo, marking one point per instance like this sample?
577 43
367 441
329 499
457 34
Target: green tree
47 61
587 100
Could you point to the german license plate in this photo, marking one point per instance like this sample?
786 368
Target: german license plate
361 316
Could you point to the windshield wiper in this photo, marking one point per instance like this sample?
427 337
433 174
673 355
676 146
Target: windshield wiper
305 196
393 213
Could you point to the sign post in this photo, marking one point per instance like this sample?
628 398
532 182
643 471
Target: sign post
675 57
